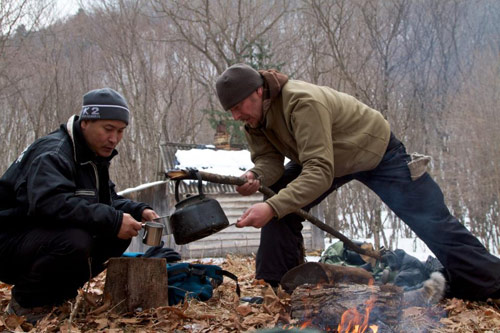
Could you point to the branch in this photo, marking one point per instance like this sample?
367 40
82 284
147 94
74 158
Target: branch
231 180
74 308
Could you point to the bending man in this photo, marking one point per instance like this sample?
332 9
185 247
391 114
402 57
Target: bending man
331 138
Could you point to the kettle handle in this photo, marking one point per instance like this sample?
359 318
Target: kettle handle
200 188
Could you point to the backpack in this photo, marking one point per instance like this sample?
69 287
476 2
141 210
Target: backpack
186 280
396 266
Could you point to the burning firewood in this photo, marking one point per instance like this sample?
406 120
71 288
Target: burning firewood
325 306
344 299
333 297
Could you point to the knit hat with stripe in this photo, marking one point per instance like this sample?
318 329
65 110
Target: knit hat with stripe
104 103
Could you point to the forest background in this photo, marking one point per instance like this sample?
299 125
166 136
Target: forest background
432 67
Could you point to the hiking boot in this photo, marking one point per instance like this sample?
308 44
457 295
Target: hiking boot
495 298
31 315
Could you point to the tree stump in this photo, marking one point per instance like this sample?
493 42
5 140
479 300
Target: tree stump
136 283
324 305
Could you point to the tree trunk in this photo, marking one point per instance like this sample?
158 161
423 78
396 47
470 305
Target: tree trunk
133 283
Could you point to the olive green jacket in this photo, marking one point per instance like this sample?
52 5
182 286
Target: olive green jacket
329 133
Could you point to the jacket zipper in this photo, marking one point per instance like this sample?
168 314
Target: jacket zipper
96 179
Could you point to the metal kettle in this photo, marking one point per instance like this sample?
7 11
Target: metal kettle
196 216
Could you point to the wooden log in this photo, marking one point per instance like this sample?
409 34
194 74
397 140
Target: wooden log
136 283
323 305
319 273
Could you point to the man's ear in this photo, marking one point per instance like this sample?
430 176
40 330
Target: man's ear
260 91
83 124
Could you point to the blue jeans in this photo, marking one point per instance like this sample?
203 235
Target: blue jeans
472 272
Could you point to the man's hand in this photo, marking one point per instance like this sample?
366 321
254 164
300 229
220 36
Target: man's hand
129 228
251 186
256 216
149 214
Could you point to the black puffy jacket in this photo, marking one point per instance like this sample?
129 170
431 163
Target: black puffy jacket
59 181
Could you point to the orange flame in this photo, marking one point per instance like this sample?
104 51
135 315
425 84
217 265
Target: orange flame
354 322
306 324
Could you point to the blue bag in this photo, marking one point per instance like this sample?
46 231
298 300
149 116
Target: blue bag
187 280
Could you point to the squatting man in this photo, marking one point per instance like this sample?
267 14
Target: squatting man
332 138
61 217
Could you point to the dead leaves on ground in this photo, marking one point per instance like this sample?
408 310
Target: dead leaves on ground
226 313
222 313
467 316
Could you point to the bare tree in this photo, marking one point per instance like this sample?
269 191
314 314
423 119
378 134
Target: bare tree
18 20
221 32
474 153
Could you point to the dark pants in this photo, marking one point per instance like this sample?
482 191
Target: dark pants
47 266
473 273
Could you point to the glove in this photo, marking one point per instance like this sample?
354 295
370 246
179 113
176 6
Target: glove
160 252
389 258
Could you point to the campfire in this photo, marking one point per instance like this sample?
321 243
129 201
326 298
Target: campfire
342 299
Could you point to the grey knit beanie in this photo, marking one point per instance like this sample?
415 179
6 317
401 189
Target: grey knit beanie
237 83
104 103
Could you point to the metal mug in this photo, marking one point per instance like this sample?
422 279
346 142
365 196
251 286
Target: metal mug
152 233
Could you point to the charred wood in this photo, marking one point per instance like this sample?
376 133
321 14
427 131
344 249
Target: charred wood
324 305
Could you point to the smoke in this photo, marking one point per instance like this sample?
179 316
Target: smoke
431 292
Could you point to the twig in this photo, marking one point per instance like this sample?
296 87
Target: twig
231 180
120 302
74 309
79 297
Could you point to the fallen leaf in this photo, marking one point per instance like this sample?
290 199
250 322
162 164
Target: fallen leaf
65 328
101 323
106 306
130 320
244 310
13 322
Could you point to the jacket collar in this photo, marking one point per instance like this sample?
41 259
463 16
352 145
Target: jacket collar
273 83
81 151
